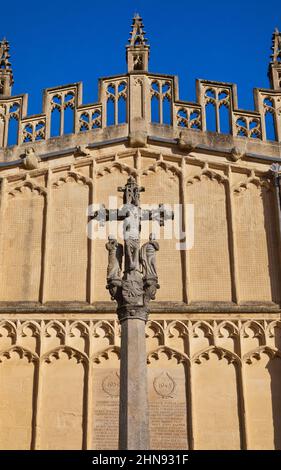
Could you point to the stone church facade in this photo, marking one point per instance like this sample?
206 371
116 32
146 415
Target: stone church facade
214 331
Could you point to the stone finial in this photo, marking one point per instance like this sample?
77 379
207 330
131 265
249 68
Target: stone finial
274 71
6 73
137 51
276 47
137 34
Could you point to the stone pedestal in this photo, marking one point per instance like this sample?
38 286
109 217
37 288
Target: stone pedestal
133 421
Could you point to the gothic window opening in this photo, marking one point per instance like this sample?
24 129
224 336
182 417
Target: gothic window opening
217 108
270 118
254 129
89 120
182 118
270 126
224 119
242 127
167 111
155 115
138 62
211 117
28 132
13 131
84 122
110 119
189 118
96 119
68 120
122 114
247 126
39 131
116 104
13 123
55 122
62 113
161 106
195 120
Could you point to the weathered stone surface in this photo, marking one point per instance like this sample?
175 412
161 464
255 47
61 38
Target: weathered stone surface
194 387
138 139
106 385
168 406
134 421
214 330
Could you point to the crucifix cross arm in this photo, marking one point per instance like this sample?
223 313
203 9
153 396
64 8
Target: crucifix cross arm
103 215
160 214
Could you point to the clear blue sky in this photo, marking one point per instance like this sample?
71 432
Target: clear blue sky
59 42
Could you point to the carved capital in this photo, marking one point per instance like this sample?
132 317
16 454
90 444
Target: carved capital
132 313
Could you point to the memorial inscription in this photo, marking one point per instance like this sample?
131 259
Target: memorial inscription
167 409
105 409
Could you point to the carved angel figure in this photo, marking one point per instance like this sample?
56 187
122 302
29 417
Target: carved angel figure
115 255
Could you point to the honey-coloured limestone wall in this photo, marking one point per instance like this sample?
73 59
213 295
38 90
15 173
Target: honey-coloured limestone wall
212 383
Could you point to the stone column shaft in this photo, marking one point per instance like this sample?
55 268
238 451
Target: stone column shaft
133 420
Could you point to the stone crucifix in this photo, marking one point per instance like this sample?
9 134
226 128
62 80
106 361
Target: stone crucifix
132 290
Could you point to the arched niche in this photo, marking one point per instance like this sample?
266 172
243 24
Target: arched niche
54 335
61 418
29 336
162 185
109 178
202 334
78 336
169 400
17 372
103 336
21 247
105 399
8 334
228 336
68 253
263 391
252 336
216 416
154 333
209 258
177 336
256 237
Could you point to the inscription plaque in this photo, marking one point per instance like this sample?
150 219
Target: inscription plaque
167 408
105 409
